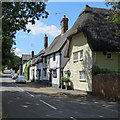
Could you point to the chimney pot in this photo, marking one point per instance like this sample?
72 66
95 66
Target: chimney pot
45 41
64 24
32 54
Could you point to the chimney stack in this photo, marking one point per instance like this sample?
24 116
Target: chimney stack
32 54
64 25
45 41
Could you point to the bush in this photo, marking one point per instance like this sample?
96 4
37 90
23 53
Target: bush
26 72
97 70
64 79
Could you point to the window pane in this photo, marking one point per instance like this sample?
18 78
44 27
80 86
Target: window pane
75 56
81 54
109 56
82 75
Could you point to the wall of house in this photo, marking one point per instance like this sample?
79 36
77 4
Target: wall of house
79 42
23 68
106 85
31 72
44 65
54 65
111 64
40 67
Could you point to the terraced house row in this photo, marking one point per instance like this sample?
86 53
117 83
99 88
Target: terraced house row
92 41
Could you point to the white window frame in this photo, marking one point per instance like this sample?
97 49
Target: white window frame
107 56
81 58
82 79
75 60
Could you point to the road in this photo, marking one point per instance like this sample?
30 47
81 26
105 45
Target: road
23 102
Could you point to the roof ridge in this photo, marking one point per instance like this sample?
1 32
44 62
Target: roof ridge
87 7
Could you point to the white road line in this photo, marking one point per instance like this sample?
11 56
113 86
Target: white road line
48 104
19 88
30 94
24 90
73 118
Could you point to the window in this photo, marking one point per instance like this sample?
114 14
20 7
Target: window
75 56
109 56
82 76
68 75
55 73
81 55
54 57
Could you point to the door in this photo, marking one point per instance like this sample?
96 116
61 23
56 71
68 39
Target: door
39 74
50 76
33 75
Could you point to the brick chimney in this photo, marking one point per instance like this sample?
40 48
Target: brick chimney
45 41
32 54
64 25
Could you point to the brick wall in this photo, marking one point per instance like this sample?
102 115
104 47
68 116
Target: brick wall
107 85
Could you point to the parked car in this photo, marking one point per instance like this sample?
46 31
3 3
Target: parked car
14 76
21 79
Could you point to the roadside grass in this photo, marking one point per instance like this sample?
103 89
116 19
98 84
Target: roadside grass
3 117
1 73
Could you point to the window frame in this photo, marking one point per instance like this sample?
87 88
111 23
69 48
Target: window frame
107 56
80 75
55 74
81 51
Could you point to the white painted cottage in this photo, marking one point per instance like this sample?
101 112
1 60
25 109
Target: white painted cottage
53 59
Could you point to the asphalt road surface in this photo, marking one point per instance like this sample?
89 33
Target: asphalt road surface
23 102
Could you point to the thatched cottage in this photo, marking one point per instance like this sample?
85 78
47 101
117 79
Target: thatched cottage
92 40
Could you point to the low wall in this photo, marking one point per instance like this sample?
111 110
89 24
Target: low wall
107 85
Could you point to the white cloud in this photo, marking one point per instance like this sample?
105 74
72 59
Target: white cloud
23 36
41 28
18 52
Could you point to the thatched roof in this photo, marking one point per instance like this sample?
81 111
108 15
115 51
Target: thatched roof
102 35
57 44
26 57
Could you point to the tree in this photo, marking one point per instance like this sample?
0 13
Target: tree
15 17
116 11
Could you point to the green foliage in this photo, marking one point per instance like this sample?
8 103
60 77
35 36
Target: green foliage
64 79
26 72
15 17
116 11
98 70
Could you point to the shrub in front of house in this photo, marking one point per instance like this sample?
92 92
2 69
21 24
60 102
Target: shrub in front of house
98 70
64 79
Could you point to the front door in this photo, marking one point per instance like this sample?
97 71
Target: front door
33 75
39 74
50 77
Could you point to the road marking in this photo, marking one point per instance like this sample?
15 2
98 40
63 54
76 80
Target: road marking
30 94
48 104
24 90
52 92
73 118
19 88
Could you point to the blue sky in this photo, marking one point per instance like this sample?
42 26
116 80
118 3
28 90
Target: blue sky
25 42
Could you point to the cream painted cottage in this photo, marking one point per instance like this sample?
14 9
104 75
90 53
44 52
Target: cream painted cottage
93 40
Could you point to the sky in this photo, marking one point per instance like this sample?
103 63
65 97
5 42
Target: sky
34 41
